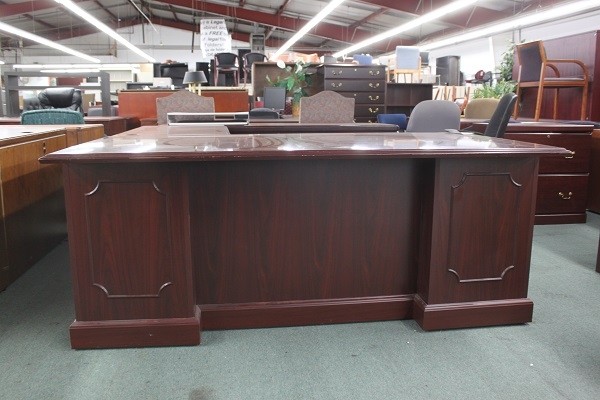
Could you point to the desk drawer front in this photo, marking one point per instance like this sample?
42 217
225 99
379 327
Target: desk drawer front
372 73
579 145
561 194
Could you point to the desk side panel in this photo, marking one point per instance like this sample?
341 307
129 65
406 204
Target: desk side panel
481 234
130 254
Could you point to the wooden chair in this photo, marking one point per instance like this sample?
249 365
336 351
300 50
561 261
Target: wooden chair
227 63
249 59
182 101
408 63
326 107
534 71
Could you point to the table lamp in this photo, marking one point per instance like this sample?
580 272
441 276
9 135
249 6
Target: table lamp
193 78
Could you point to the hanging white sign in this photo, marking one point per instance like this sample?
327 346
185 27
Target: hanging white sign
214 37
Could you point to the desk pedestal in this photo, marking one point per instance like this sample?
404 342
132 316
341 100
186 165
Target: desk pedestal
156 247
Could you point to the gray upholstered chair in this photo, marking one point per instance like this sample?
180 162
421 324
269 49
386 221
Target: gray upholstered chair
326 107
481 108
182 101
434 116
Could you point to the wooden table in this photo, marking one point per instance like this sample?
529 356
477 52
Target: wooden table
242 231
112 125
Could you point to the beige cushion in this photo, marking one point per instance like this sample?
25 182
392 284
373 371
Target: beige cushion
326 107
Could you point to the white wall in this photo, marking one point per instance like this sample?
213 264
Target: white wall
481 54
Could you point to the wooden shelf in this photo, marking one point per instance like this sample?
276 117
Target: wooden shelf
12 87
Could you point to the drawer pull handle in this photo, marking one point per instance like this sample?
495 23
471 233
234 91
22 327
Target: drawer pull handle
371 72
565 196
374 85
571 156
374 110
336 85
44 147
337 73
373 98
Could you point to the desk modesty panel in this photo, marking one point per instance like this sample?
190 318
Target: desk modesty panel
170 233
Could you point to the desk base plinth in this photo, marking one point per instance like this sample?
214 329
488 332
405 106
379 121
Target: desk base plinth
136 333
472 314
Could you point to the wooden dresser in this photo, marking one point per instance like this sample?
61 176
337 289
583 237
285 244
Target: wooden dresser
365 83
401 98
563 181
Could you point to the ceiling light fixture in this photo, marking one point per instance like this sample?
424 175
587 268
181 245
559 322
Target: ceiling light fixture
513 23
433 15
35 38
309 25
104 28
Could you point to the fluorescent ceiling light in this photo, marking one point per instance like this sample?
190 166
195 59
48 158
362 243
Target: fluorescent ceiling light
104 28
513 23
26 35
440 12
1 62
70 70
309 25
77 66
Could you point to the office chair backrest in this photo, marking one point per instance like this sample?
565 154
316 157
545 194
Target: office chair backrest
327 107
481 108
183 101
434 116
61 98
497 125
51 117
407 57
274 98
396 119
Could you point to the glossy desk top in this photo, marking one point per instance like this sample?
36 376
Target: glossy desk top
10 134
206 143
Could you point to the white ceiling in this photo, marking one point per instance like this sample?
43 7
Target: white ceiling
352 21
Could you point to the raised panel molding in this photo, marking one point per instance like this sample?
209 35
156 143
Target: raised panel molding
120 216
468 208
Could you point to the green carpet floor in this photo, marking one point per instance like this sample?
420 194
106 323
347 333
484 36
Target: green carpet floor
557 356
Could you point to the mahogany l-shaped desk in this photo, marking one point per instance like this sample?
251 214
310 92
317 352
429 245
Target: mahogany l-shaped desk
175 231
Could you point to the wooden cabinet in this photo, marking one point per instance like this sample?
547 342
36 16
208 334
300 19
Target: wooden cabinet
32 200
365 83
563 180
401 98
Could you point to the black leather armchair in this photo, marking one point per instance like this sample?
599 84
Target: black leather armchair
61 98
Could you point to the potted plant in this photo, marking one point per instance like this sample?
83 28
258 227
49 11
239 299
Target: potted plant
295 82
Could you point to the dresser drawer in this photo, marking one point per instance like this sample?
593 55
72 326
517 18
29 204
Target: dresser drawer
348 85
365 98
370 111
561 194
355 72
579 145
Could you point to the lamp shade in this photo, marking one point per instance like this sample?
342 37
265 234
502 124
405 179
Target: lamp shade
194 77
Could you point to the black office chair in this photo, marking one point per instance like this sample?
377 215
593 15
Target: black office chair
62 98
249 59
497 125
227 63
